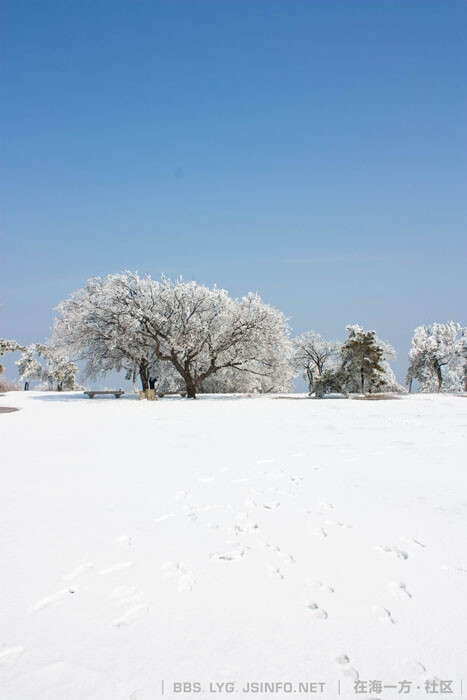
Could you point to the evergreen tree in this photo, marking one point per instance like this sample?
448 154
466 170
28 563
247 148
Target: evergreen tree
362 361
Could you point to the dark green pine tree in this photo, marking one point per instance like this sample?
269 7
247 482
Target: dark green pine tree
362 358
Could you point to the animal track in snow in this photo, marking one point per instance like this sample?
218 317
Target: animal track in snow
116 567
51 599
394 552
78 571
131 615
11 655
399 590
382 614
317 612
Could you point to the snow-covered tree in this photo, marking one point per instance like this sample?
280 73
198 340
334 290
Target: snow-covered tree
125 320
60 371
313 355
9 346
365 366
435 359
100 324
461 352
57 371
29 367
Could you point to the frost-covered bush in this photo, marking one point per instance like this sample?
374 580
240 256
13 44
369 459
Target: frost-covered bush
315 359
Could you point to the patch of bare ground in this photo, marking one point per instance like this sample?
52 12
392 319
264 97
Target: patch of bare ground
375 397
291 398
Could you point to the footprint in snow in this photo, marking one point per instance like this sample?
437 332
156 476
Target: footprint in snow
161 518
414 668
319 532
343 659
125 595
185 578
11 655
346 669
116 567
53 598
131 615
382 614
124 540
317 612
394 552
339 524
285 556
325 506
275 572
455 570
399 590
235 555
319 585
243 528
78 571
413 541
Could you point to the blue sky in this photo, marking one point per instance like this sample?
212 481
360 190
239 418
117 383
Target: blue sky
311 150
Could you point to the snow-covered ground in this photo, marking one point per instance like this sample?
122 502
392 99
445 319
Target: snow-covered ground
231 540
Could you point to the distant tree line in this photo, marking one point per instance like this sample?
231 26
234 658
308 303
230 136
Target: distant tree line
177 334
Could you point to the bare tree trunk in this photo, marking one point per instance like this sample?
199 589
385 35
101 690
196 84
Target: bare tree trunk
439 376
190 388
143 374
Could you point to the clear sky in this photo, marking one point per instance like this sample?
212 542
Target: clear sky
311 150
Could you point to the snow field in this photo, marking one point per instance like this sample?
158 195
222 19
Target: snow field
230 539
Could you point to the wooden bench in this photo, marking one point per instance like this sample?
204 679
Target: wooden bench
117 393
181 393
